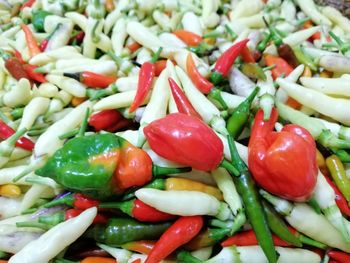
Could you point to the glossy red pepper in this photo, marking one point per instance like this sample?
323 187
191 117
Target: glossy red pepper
339 198
6 131
198 80
247 56
178 234
71 213
91 79
142 246
339 256
182 102
39 77
284 163
160 65
226 60
186 140
77 200
31 41
29 3
281 66
248 238
105 119
191 39
18 55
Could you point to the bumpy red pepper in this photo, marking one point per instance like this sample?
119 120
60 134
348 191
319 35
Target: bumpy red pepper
339 256
198 80
6 131
186 140
191 39
91 79
182 102
283 163
339 198
226 60
178 234
281 66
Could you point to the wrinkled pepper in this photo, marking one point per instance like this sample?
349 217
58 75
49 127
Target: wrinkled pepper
119 231
102 165
91 79
283 163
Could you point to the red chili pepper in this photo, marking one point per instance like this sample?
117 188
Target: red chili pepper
339 198
71 213
178 234
77 200
105 119
142 246
182 103
120 125
91 79
138 260
39 77
248 238
133 47
6 131
18 55
160 65
15 68
281 66
43 44
247 56
80 37
284 163
198 80
31 41
339 256
29 3
191 39
186 140
226 60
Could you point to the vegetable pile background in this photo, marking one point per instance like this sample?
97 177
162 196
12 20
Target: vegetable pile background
174 131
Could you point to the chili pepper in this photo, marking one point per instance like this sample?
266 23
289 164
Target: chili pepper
339 256
185 256
198 80
77 200
337 171
14 65
18 55
91 79
146 77
294 145
139 210
343 47
253 70
339 198
182 103
38 19
247 55
30 69
226 60
160 65
105 119
6 131
281 66
46 40
275 35
247 189
98 260
263 43
191 39
142 246
119 231
239 117
28 3
133 47
206 238
304 59
178 234
102 165
248 238
287 53
31 41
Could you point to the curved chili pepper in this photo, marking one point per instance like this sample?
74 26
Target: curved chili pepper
253 70
337 171
6 132
283 163
186 140
139 210
119 231
339 198
191 39
15 68
247 56
30 69
31 41
105 119
198 80
142 246
182 102
28 3
281 66
18 55
339 256
226 60
77 200
91 79
178 234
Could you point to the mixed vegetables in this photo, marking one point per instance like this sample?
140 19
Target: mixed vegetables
174 131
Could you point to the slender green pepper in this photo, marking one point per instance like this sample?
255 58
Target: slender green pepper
336 168
119 231
343 47
38 19
239 117
275 36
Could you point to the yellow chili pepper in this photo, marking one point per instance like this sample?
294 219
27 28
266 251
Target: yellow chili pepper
321 163
307 72
77 101
10 191
336 168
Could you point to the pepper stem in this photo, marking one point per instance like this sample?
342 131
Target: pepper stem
75 76
236 159
66 200
33 224
343 155
328 139
158 170
215 93
7 146
84 123
218 233
69 134
185 256
229 167
156 55
308 241
232 34
126 206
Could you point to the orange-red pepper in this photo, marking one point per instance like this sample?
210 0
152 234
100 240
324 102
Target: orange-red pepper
98 260
91 79
281 66
31 41
142 246
191 39
105 119
339 256
30 69
198 80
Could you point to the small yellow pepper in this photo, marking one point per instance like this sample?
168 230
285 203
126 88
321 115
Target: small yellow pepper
10 191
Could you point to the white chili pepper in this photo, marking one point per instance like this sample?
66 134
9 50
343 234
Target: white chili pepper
184 203
56 239
244 10
191 22
171 40
104 67
32 111
202 253
119 36
121 255
317 100
288 10
78 19
66 52
19 95
69 85
9 207
300 36
337 17
332 86
114 15
15 241
254 21
335 63
162 20
172 108
310 9
127 83
209 17
60 37
32 196
116 101
240 84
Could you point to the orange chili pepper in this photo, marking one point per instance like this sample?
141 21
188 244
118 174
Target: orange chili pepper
160 65
31 41
109 4
98 260
141 246
191 39
281 66
77 101
133 47
198 80
293 103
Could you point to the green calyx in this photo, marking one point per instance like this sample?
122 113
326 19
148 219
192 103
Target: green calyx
216 78
52 220
126 206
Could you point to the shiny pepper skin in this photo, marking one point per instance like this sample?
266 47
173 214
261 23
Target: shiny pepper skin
283 163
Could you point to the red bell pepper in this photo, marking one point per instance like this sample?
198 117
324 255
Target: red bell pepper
182 102
198 80
248 238
339 198
186 140
226 60
31 41
105 119
39 77
6 132
191 39
284 163
281 66
339 256
178 234
91 79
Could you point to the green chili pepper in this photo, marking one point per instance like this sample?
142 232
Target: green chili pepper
253 70
119 231
336 168
38 19
239 117
303 58
4 255
275 36
17 113
262 45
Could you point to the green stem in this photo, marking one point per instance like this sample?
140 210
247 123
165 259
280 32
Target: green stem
229 167
7 146
156 55
17 113
236 159
84 123
232 34
4 118
308 241
313 203
69 134
67 200
186 257
218 233
33 224
95 37
274 34
126 206
215 94
329 140
343 47
343 155
158 170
